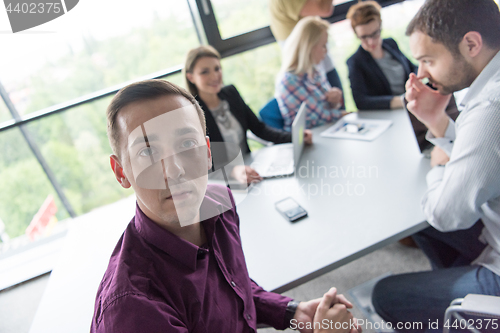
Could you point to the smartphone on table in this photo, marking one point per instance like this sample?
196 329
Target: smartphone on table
290 209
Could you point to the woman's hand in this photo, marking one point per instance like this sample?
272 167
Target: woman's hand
334 97
245 174
308 137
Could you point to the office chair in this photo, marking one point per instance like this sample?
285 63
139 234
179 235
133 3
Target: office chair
468 313
271 115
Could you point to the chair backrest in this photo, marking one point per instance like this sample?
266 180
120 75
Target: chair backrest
473 313
271 115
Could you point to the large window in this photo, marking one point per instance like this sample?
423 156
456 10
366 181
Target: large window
96 45
235 17
24 188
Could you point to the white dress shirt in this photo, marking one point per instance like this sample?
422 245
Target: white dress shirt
468 187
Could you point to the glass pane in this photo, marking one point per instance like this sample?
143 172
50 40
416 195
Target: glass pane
235 17
24 187
253 73
68 58
4 112
75 145
178 79
343 42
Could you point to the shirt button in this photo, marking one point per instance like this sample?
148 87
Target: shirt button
201 254
233 284
249 317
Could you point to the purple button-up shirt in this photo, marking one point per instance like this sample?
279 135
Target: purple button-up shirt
158 282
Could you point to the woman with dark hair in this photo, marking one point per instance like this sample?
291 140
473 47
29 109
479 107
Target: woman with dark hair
378 70
227 115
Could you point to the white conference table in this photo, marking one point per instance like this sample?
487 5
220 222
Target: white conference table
350 214
383 207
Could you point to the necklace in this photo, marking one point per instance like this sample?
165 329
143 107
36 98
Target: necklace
221 114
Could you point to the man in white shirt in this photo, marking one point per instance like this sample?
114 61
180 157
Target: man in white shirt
456 43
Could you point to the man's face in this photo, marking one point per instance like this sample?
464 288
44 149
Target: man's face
165 158
447 72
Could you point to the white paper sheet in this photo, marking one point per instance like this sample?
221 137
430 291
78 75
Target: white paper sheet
350 127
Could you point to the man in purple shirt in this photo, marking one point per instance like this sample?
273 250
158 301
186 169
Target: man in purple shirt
179 265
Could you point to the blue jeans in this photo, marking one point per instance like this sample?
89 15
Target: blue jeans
451 249
423 297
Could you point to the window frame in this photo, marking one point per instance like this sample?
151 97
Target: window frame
259 37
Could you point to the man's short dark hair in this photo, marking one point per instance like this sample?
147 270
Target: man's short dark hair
140 91
447 21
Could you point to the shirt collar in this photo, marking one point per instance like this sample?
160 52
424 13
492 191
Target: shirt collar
180 249
482 79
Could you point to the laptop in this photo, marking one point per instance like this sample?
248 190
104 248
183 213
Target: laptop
281 159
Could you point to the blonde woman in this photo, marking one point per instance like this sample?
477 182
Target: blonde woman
302 81
285 14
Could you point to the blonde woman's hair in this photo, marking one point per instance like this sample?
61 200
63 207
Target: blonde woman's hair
299 45
192 58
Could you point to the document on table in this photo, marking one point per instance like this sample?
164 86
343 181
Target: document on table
349 127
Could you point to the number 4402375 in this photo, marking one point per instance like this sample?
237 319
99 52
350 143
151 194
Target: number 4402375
478 324
33 8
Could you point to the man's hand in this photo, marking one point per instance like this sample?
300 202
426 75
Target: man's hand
305 313
308 137
245 174
331 312
438 157
427 105
306 310
334 97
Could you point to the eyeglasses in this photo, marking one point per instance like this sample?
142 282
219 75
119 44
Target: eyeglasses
374 35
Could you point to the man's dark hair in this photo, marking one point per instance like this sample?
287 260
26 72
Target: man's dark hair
140 91
447 21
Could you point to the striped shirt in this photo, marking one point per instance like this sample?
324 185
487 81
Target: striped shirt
468 187
293 89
